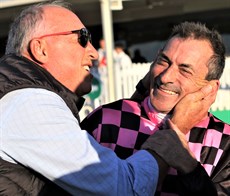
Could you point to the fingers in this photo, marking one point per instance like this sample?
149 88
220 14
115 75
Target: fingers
171 124
207 89
209 97
205 95
203 92
178 132
193 107
200 82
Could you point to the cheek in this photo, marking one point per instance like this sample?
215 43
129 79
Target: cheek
188 86
155 72
78 73
75 64
73 70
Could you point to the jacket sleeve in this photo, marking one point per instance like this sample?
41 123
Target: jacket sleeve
192 178
221 174
196 182
223 186
52 143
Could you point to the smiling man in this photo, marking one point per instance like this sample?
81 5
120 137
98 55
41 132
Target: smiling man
192 56
180 68
43 150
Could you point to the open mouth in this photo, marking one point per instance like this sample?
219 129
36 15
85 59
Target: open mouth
168 91
86 67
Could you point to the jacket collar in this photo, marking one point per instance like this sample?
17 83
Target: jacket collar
19 72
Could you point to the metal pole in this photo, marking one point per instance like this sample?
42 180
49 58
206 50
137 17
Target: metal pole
107 26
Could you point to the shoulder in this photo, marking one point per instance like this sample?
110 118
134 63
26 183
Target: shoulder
219 125
31 95
28 100
122 105
211 132
31 91
113 109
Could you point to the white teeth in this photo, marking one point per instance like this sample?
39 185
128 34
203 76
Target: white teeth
169 92
86 67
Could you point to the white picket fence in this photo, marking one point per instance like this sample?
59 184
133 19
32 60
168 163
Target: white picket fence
126 79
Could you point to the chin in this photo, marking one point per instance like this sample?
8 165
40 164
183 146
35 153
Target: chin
83 90
86 91
163 110
161 107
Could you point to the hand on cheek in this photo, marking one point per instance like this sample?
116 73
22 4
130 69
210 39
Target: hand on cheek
194 107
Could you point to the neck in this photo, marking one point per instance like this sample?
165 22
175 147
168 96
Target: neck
161 117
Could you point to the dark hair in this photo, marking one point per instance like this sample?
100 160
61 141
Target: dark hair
199 31
119 44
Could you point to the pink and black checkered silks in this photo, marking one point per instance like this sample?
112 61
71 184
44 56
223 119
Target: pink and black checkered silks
124 125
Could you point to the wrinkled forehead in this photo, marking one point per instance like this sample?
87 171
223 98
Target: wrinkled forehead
189 48
193 53
61 19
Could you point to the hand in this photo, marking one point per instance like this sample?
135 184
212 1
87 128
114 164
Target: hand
181 136
171 146
194 107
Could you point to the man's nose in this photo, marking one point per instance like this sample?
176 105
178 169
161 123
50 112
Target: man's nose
92 51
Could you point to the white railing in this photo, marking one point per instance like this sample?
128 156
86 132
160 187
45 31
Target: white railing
126 79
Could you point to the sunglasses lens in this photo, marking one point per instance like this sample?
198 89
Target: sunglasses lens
84 37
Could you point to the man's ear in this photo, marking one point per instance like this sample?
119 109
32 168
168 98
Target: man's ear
215 85
38 50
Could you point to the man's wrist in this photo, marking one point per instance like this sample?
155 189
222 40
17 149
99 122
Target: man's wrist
196 182
169 147
162 165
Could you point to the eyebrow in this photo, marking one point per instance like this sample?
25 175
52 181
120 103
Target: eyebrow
188 66
161 53
165 57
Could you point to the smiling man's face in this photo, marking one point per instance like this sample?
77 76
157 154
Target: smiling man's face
62 55
180 68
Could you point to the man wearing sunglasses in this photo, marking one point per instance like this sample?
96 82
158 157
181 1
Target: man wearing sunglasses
43 151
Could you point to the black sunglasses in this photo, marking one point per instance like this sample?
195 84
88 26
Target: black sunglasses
83 36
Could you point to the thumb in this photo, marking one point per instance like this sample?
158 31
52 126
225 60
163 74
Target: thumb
175 128
200 94
171 124
206 90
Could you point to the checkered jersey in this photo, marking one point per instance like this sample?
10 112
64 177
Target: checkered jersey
124 125
120 126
